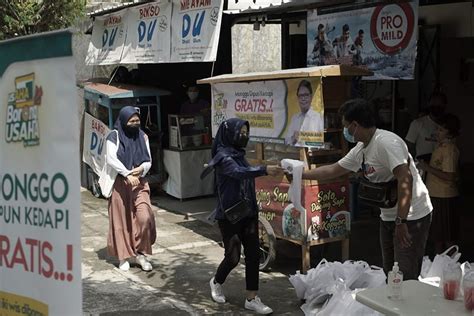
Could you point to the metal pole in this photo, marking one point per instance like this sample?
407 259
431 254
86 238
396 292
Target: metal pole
393 104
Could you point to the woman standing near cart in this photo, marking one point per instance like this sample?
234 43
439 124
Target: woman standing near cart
235 181
132 229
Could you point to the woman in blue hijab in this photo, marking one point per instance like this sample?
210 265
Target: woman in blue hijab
132 229
235 180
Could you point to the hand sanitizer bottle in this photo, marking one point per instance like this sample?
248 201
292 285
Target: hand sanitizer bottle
394 286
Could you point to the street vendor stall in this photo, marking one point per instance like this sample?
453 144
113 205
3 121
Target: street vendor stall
102 106
268 100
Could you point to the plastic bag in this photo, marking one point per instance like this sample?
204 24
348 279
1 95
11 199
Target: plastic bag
442 260
371 278
343 302
298 282
425 266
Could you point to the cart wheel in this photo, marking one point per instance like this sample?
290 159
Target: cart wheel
267 244
95 187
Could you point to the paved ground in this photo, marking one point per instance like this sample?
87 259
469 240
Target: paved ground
185 257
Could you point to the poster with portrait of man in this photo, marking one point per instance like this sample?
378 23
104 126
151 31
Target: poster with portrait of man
279 111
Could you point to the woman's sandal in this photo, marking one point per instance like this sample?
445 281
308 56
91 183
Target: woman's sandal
143 263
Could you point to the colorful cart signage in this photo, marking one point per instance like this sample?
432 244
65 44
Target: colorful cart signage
280 111
326 210
158 32
40 248
95 133
382 39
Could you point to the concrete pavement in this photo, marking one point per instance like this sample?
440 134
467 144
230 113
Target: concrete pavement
186 255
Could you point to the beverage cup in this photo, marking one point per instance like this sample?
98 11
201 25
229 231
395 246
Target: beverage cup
468 287
451 281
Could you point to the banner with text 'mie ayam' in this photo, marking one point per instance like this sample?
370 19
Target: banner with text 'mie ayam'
280 111
40 253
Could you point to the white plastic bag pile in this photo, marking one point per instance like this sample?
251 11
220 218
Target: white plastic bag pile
337 282
432 272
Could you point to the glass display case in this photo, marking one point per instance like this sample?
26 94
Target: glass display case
188 132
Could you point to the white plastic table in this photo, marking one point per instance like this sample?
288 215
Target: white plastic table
418 299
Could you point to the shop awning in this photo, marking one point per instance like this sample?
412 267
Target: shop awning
320 71
119 91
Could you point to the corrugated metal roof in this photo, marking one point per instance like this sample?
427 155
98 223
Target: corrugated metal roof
117 7
118 91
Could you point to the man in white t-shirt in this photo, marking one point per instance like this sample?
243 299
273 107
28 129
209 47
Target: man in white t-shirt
404 228
421 136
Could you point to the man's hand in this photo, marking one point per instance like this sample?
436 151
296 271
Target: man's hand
402 235
275 171
133 180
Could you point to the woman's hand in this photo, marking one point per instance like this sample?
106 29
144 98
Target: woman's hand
133 180
137 171
275 171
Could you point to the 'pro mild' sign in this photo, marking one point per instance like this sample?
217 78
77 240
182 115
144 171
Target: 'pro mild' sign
381 38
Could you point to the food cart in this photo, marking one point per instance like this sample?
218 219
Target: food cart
102 106
326 214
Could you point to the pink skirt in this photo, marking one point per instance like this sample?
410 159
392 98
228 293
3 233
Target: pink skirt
132 227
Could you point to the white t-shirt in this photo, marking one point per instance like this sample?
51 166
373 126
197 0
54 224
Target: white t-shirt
422 133
311 121
385 152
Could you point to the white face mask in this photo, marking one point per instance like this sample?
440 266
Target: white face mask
193 96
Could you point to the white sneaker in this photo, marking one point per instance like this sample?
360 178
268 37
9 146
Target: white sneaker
124 265
257 306
217 292
142 261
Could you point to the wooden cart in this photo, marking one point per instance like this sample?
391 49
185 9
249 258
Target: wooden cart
327 214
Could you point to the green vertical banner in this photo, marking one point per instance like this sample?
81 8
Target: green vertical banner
40 252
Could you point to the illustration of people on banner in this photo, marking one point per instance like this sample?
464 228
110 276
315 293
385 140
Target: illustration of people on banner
381 38
281 111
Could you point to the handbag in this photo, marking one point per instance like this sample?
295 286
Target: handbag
239 210
381 194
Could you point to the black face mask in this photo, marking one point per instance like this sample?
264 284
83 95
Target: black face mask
242 141
133 129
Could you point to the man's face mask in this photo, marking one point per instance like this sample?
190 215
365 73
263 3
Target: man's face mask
193 95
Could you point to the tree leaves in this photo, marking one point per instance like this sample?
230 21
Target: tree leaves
22 17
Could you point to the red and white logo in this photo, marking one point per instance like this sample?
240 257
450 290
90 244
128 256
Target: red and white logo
392 27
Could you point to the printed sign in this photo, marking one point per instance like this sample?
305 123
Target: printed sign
95 134
40 219
325 215
108 38
382 39
281 111
148 33
195 30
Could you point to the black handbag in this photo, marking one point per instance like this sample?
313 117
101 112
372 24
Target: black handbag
239 210
381 194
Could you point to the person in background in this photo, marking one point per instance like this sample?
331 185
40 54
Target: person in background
308 120
344 44
235 179
359 45
384 157
442 175
132 229
421 136
196 105
322 48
